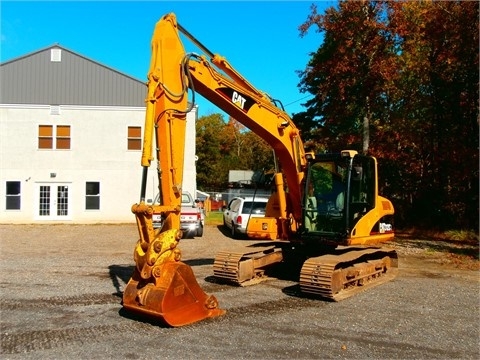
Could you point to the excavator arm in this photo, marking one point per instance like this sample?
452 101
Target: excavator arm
162 286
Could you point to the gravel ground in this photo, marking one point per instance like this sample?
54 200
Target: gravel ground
61 291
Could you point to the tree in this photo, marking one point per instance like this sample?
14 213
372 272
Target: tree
408 73
249 151
349 75
258 154
221 147
212 149
439 59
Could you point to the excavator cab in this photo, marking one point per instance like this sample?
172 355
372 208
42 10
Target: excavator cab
342 190
342 212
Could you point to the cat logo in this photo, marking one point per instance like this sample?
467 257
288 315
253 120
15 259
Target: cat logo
238 100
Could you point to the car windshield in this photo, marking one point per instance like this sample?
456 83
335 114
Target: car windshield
255 207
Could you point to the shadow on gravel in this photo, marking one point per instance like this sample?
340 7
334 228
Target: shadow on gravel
119 273
142 318
199 262
228 233
296 291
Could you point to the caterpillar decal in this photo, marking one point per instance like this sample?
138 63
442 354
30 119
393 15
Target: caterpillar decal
242 101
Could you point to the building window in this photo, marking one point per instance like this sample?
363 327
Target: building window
63 137
134 138
13 195
46 136
92 195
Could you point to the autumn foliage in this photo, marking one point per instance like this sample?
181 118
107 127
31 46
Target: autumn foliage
399 80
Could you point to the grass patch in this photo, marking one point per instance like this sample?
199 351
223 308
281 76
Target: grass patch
459 236
214 218
462 235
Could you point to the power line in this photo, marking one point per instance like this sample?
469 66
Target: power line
293 102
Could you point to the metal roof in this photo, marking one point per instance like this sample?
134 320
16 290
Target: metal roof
58 76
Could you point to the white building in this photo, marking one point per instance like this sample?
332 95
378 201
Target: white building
70 141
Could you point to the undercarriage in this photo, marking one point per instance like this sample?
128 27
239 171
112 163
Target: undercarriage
336 275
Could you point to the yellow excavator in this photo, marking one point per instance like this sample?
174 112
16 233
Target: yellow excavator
324 220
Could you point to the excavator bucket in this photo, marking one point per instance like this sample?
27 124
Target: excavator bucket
166 288
177 299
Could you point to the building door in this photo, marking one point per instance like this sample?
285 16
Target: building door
53 202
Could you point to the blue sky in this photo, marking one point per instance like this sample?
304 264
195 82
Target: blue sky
259 38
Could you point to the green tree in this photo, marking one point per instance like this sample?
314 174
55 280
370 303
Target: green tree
249 151
212 149
258 154
221 147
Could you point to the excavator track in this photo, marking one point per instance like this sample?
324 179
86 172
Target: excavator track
246 267
339 276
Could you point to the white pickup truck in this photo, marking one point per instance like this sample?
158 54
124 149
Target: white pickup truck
192 218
